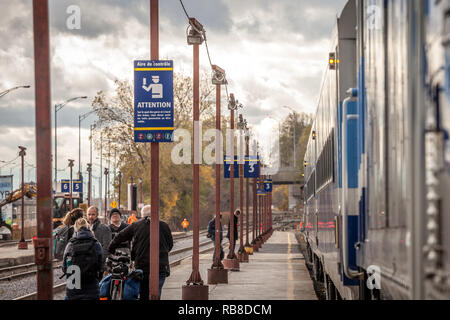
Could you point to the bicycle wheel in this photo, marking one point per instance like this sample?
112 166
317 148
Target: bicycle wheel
115 293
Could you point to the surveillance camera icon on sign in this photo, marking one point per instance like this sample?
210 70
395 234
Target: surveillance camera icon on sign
155 87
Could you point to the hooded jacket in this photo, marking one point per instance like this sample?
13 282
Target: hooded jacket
89 290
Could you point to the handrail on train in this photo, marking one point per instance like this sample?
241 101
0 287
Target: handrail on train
350 273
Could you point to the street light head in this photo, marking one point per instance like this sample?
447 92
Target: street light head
26 87
194 32
218 75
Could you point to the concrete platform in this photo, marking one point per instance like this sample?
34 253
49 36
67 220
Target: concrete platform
11 256
276 272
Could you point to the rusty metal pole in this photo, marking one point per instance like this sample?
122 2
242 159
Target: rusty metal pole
231 262
22 243
194 288
247 194
243 256
255 214
154 178
71 182
42 244
217 273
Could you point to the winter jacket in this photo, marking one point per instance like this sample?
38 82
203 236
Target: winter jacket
235 228
115 230
139 233
89 286
212 229
103 234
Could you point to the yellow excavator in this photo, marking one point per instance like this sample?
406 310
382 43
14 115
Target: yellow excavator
61 203
30 191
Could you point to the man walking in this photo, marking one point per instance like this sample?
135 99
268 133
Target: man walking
139 234
101 231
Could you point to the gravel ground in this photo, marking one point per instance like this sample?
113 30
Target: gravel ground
19 287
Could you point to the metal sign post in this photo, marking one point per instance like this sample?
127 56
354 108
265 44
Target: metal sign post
71 184
43 242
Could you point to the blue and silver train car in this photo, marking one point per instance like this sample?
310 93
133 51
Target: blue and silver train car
377 171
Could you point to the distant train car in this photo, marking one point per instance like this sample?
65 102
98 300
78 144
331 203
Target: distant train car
377 165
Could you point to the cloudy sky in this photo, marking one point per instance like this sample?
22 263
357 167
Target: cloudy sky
274 53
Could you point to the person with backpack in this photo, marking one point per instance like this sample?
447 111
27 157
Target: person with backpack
212 235
82 264
64 232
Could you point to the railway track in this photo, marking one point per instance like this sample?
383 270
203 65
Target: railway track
59 288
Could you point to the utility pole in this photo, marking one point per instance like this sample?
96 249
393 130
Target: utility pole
194 288
22 243
106 194
120 185
71 182
217 273
43 255
89 170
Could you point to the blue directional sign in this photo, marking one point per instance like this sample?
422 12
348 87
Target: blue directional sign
268 185
251 167
65 185
153 101
77 186
227 167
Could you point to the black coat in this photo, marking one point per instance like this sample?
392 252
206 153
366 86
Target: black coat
139 233
235 228
89 290
115 230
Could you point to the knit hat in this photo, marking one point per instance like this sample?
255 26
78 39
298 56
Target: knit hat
115 210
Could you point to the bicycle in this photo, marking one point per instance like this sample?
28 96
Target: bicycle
118 265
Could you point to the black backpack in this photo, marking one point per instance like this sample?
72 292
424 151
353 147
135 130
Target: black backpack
61 237
83 255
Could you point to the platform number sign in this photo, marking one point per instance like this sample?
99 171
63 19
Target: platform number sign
77 186
251 167
268 185
227 167
65 186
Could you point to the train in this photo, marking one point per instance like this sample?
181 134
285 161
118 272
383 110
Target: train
376 215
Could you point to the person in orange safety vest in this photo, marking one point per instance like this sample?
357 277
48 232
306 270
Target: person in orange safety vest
132 218
185 225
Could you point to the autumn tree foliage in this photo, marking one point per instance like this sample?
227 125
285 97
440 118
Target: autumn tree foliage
115 128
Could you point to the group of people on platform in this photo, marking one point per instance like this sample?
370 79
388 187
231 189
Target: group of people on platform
90 242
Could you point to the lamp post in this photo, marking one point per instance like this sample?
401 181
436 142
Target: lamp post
106 194
22 243
194 288
4 93
81 117
89 170
57 108
217 273
243 256
120 184
294 125
70 187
